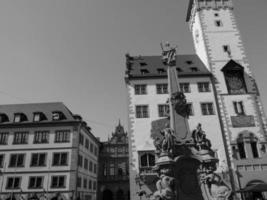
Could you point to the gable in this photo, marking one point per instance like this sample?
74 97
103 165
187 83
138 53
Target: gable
232 66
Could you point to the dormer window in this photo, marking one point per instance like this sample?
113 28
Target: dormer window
218 23
161 70
39 116
3 118
189 62
194 69
142 64
57 115
144 71
20 117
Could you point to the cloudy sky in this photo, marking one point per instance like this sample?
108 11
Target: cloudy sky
73 50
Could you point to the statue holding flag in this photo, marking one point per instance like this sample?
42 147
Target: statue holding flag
168 54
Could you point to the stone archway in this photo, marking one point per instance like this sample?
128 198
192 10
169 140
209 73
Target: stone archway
254 195
107 194
120 194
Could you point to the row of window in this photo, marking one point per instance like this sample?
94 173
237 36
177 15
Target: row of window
37 159
141 89
85 141
117 169
206 109
35 182
40 137
243 148
163 71
116 150
86 184
86 164
37 117
142 111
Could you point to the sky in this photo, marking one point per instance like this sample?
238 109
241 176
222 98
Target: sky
73 51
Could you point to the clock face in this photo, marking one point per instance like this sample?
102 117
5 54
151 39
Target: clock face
235 82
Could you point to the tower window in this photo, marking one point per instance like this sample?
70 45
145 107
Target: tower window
218 23
241 149
239 108
226 49
142 111
254 149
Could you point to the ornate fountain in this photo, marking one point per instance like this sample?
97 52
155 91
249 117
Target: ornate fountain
185 162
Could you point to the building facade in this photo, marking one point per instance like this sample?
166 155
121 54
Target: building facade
221 91
113 174
46 151
219 45
148 94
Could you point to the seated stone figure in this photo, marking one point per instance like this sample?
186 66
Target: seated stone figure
200 140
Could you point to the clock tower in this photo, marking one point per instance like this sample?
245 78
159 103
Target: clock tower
219 45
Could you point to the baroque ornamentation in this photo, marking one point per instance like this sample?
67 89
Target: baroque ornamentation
180 105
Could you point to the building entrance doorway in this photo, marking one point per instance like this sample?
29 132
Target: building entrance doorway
107 195
120 195
257 196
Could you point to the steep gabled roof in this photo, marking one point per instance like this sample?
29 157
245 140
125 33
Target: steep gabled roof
152 66
232 66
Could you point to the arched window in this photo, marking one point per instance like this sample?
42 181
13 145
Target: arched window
247 146
241 149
